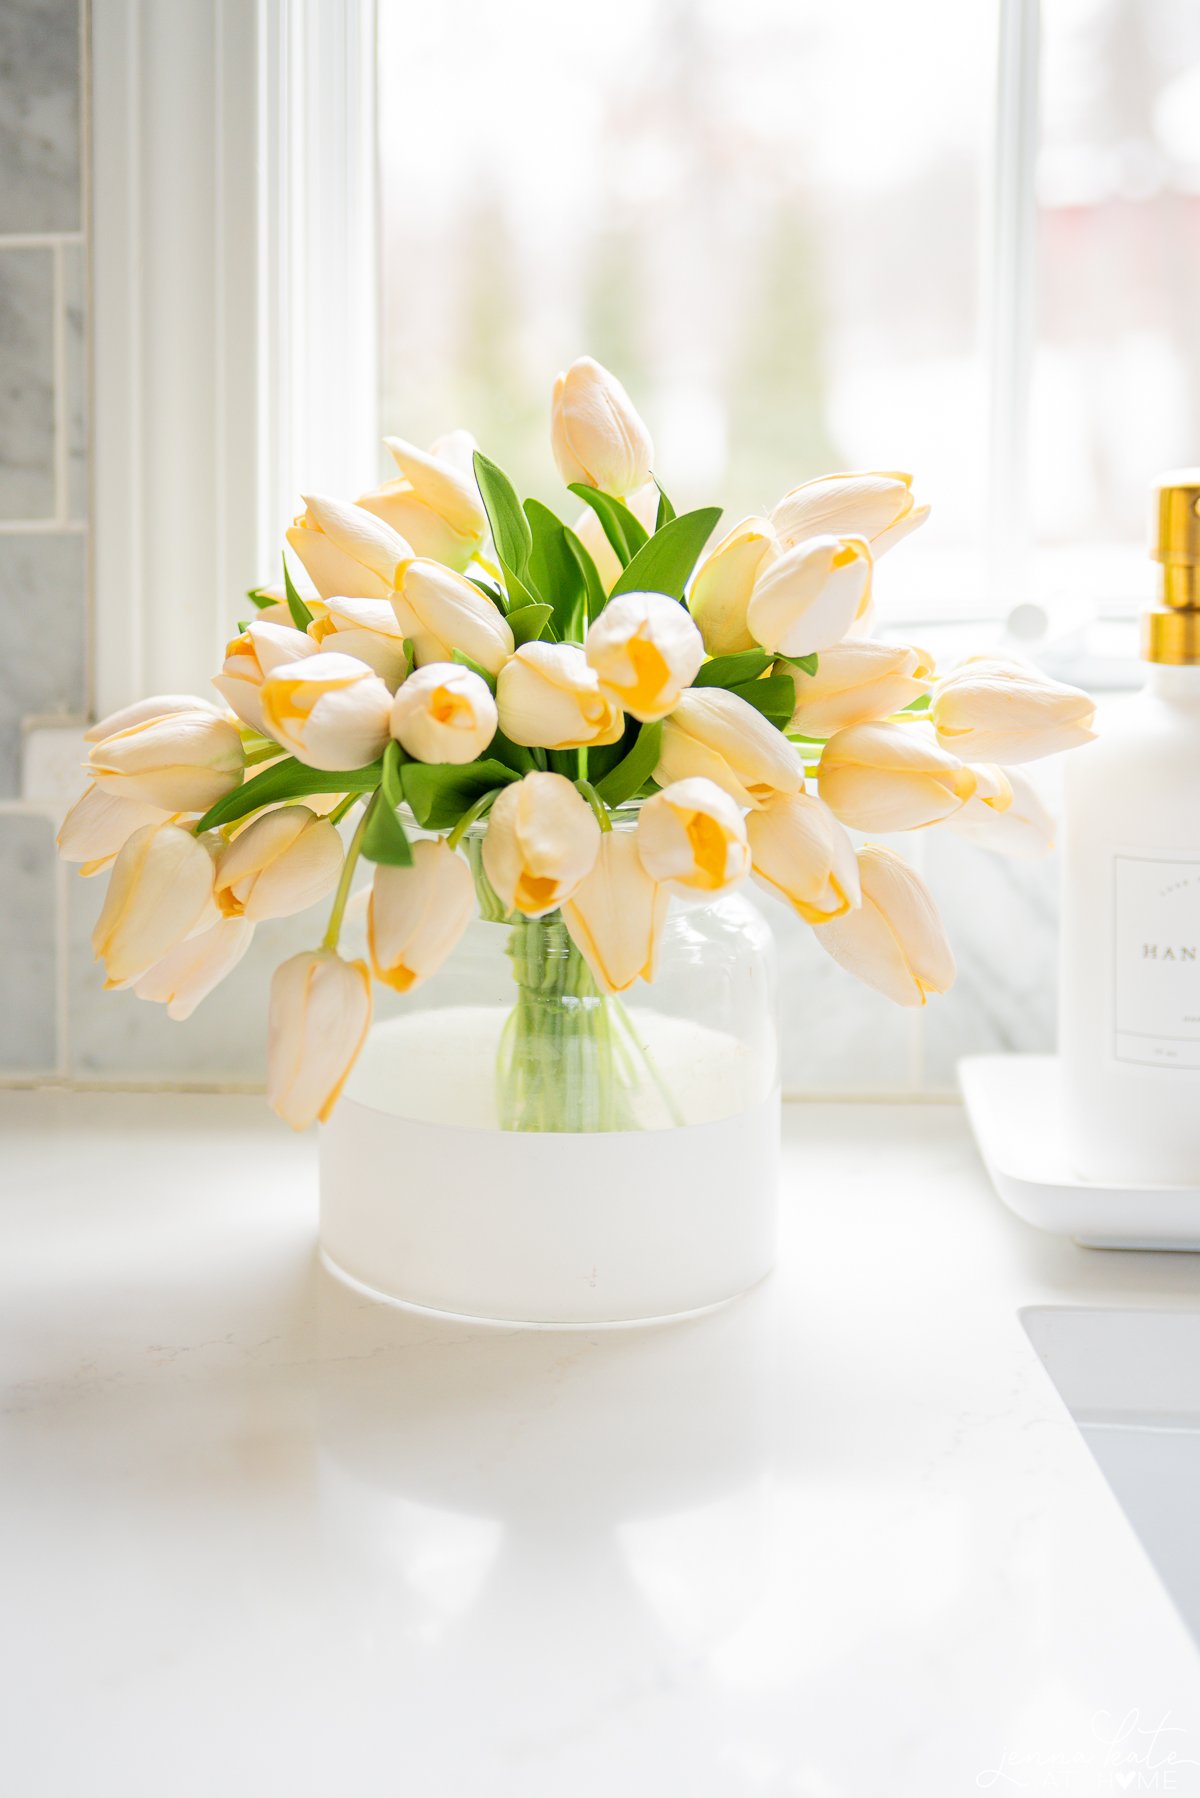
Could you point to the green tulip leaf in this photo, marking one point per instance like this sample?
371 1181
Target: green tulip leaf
284 780
625 533
464 660
384 839
497 596
301 616
440 792
528 623
664 562
774 697
595 596
732 671
556 572
805 664
634 770
260 599
666 511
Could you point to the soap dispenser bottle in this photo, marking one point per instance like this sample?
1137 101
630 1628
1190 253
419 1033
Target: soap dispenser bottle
1129 1013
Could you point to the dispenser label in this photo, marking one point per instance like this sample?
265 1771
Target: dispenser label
1156 946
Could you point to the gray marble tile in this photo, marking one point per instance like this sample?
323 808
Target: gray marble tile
1002 920
27 904
40 115
75 307
43 603
26 383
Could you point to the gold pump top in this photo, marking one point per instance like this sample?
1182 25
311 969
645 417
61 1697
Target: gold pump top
1171 628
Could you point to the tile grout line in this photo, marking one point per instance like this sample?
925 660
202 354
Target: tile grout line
42 527
38 240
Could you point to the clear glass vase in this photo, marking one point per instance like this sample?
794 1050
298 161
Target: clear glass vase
554 1153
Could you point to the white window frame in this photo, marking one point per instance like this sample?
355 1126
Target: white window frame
234 310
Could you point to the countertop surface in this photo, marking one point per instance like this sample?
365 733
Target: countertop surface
840 1539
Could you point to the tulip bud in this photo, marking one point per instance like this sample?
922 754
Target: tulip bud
1022 827
720 736
597 437
283 862
811 595
365 628
590 532
442 611
330 711
433 506
99 825
319 1016
891 777
692 838
879 507
190 971
444 713
802 855
418 914
549 697
348 552
542 841
183 762
894 941
856 683
616 915
1001 711
719 598
645 651
160 889
249 658
160 705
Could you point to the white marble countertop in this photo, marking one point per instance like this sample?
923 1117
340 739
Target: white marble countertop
840 1539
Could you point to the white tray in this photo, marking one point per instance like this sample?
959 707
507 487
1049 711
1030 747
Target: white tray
1012 1103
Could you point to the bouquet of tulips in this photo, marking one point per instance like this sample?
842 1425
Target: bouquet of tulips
490 688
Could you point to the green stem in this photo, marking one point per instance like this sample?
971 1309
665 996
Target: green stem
330 939
343 806
468 818
597 804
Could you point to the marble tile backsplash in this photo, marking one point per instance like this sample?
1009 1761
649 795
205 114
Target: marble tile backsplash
55 1019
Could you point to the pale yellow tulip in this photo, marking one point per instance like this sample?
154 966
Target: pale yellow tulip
996 710
721 737
320 1013
597 437
549 697
894 940
348 552
809 596
330 711
879 507
645 651
692 838
250 657
802 854
542 841
190 971
141 711
442 611
183 762
616 915
444 713
891 777
719 598
281 863
418 914
99 825
432 505
365 628
160 890
856 682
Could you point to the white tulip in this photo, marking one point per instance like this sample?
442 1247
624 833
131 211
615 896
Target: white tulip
99 825
719 597
433 505
596 434
183 762
802 854
893 941
645 650
692 838
891 777
809 596
319 1016
159 705
718 735
418 914
284 861
542 841
330 711
365 628
879 507
442 611
857 683
444 713
548 697
160 890
996 710
249 658
616 915
347 552
190 971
